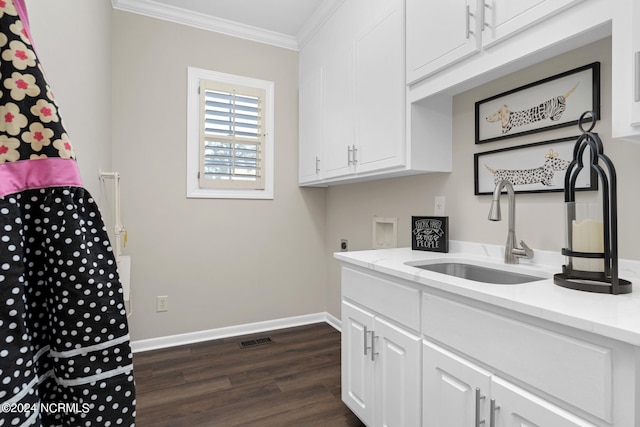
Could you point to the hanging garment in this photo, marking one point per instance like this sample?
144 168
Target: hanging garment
65 357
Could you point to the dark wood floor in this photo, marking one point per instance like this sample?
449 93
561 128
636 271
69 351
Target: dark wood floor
294 381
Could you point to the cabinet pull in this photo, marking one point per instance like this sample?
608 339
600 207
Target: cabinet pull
373 351
479 397
492 409
469 16
349 155
483 14
355 155
637 77
365 340
317 165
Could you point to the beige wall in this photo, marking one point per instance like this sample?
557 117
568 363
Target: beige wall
72 39
221 262
539 220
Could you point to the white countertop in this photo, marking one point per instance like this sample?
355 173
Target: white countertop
613 316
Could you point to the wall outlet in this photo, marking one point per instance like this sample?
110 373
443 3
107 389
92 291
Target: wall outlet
162 303
438 207
344 245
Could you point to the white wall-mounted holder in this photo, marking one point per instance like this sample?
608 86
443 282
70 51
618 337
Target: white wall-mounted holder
385 233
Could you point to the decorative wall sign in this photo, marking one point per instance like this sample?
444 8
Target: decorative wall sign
550 103
430 233
531 168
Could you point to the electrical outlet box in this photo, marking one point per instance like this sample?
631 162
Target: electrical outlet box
344 245
162 303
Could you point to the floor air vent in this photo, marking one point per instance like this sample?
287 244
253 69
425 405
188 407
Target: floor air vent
256 342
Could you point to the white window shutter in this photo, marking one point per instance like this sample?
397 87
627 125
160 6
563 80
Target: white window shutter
231 136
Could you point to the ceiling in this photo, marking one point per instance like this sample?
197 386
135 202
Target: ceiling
284 23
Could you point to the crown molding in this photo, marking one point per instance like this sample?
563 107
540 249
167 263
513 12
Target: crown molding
178 15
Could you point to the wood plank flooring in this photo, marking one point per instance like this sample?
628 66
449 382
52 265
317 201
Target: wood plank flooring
294 381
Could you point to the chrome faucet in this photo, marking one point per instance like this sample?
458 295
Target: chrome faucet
511 252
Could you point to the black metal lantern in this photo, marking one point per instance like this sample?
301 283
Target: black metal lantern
591 228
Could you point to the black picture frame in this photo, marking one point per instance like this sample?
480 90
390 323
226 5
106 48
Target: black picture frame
538 163
430 233
550 103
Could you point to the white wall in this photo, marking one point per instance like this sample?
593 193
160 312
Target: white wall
221 262
539 219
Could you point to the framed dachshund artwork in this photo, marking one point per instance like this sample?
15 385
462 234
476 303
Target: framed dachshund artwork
551 103
532 168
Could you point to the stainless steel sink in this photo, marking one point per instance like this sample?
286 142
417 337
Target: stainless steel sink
478 273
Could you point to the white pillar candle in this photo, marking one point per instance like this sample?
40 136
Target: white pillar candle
588 236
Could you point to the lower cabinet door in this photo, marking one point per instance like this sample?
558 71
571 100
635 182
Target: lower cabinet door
357 367
455 391
516 407
397 376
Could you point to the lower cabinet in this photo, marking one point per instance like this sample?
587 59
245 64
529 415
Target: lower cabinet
380 369
416 356
456 392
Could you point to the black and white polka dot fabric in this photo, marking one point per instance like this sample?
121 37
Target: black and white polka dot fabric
65 357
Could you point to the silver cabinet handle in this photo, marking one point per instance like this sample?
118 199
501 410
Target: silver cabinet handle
373 351
349 154
469 16
317 164
355 155
479 397
365 340
492 416
483 14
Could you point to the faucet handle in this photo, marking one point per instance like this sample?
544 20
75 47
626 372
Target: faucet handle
524 252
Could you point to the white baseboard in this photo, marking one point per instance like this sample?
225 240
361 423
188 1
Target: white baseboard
231 331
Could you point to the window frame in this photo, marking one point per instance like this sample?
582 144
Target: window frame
194 109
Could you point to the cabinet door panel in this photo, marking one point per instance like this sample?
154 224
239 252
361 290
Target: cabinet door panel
310 131
397 376
380 94
507 17
449 389
357 367
519 408
439 33
337 113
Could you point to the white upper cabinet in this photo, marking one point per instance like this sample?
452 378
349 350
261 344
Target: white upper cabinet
310 130
625 82
441 33
503 18
355 67
336 118
380 94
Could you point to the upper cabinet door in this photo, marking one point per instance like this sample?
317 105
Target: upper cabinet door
337 114
380 93
439 33
310 108
503 18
